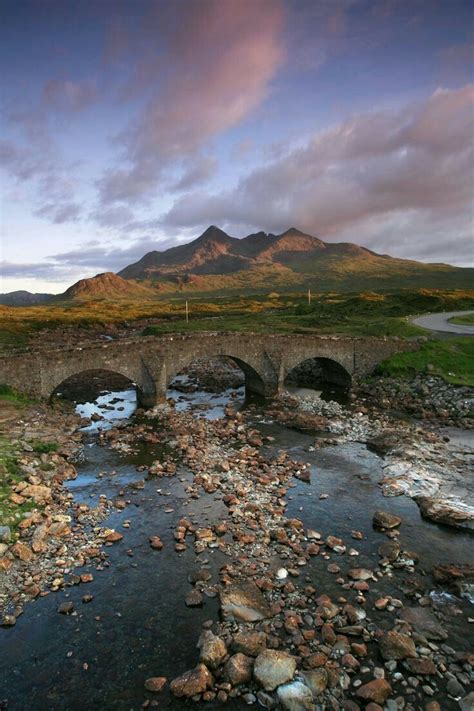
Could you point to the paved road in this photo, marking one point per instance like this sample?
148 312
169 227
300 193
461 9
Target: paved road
440 322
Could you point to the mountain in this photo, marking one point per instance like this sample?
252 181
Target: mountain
216 261
214 252
23 298
107 285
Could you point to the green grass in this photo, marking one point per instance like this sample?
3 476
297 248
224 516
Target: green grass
10 474
44 447
9 395
451 359
467 320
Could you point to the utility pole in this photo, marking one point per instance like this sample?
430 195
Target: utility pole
187 312
309 297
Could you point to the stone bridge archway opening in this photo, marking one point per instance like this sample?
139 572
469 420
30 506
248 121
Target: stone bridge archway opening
322 375
99 394
209 383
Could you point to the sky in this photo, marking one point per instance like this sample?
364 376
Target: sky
132 125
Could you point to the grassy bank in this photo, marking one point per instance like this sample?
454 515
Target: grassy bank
467 320
451 359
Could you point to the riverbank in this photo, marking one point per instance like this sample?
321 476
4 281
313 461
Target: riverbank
44 534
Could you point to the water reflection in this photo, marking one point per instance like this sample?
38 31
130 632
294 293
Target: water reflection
112 407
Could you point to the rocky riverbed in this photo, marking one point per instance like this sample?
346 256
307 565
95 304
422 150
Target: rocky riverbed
252 565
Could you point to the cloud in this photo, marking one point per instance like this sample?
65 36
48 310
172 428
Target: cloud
416 160
220 59
198 171
102 256
32 157
60 213
67 95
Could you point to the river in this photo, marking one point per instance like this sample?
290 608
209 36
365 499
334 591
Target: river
137 625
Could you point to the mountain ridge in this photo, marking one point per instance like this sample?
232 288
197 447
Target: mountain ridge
293 260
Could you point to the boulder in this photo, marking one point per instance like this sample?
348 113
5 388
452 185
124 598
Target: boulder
385 520
295 697
213 650
22 551
449 512
238 669
39 493
244 601
377 691
316 680
195 681
5 534
250 643
273 668
394 645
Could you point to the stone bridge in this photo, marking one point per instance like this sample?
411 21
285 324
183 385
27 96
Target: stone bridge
151 362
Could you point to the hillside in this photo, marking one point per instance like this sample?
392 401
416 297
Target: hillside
107 285
215 261
23 298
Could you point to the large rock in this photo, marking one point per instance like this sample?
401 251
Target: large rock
450 512
295 697
195 681
213 650
244 601
39 493
394 645
385 520
423 622
377 691
250 643
22 551
273 668
238 669
316 679
5 534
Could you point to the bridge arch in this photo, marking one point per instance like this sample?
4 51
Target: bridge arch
254 381
135 374
319 372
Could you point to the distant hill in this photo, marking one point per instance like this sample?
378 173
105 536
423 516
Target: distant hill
107 285
215 261
23 298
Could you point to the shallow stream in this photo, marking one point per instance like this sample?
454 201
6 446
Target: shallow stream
137 624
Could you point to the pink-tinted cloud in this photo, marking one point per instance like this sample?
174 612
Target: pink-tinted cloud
412 162
218 66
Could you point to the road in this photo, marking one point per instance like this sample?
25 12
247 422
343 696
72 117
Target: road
440 322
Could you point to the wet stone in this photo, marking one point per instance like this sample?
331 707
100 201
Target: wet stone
244 601
238 669
194 599
273 668
295 696
394 645
213 650
192 682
